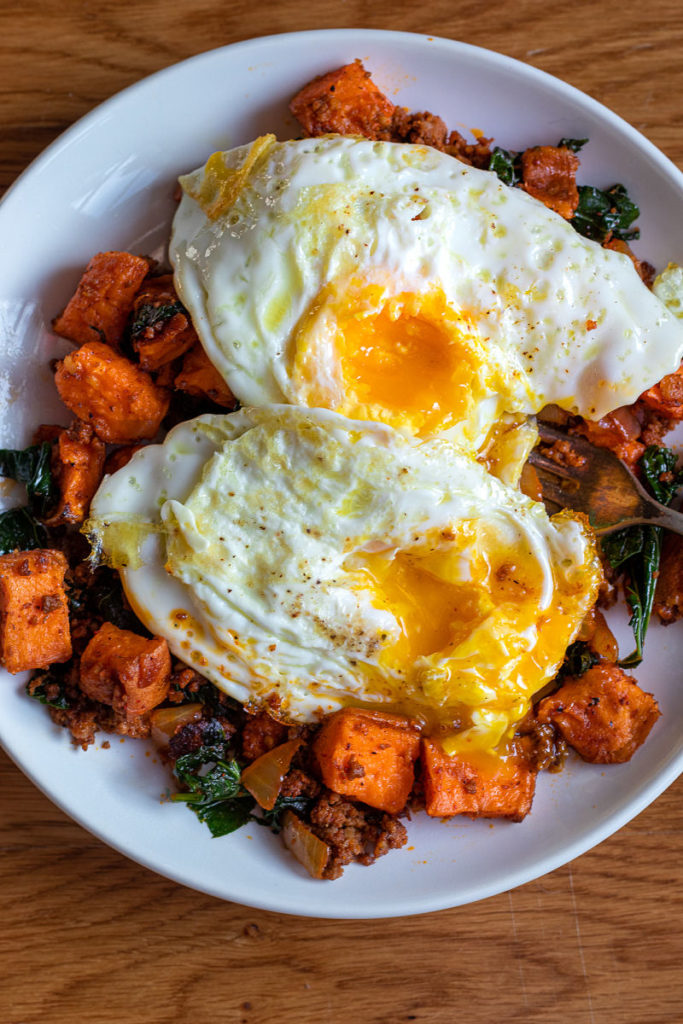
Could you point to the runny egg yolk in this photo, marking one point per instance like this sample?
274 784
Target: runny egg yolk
409 360
473 630
433 614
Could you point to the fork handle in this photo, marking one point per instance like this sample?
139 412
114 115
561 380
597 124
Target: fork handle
654 514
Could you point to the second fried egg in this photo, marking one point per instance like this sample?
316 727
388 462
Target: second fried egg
384 571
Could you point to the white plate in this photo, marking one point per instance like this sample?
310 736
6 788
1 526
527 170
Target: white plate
107 183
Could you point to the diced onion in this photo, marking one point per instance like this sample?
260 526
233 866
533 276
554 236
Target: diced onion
603 641
310 851
263 777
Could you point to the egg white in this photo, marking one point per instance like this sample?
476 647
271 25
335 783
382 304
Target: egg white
300 555
287 253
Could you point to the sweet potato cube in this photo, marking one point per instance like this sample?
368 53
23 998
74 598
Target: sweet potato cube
78 464
199 377
369 755
603 714
666 397
616 431
34 616
346 101
480 784
102 302
119 400
161 329
127 671
549 174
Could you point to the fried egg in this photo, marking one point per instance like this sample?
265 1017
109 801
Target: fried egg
394 283
298 555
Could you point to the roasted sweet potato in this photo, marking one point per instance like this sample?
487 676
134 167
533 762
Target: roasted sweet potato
102 387
346 101
668 603
369 755
666 397
480 785
34 617
78 464
618 431
549 174
603 714
101 304
125 670
161 330
199 377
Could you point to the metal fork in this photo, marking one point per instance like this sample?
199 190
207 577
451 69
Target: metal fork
600 485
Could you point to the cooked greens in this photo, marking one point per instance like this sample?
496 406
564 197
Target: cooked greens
31 467
636 551
50 687
151 315
301 805
576 145
578 659
600 215
216 794
19 529
506 165
658 466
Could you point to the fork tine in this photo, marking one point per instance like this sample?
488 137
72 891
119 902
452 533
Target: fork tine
555 492
549 433
542 461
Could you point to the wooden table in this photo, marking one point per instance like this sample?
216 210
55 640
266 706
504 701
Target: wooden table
88 937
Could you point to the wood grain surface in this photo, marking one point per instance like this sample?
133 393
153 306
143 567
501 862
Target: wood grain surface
86 937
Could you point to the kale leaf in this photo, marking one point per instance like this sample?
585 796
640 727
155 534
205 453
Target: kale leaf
216 794
31 467
506 165
101 595
273 819
226 816
658 466
605 213
206 694
621 545
150 315
225 783
578 659
107 596
576 145
49 687
636 550
643 571
19 529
